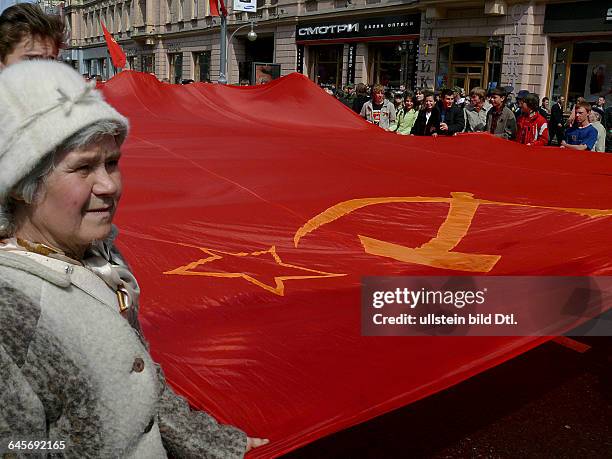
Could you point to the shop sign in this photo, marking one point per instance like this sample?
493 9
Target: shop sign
587 16
249 6
362 28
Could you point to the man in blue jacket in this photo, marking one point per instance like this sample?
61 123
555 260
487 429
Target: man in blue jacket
581 136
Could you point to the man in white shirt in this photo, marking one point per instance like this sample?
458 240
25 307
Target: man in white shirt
595 118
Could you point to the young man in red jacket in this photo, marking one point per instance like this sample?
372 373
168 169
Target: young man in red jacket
532 127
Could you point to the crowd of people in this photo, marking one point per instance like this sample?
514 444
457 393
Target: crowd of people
526 119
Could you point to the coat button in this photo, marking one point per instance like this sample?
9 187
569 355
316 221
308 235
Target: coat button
138 365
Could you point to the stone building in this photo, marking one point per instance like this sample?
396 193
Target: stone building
547 46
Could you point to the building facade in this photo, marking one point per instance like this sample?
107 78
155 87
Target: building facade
549 47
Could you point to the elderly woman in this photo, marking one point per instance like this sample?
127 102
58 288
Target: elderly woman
76 373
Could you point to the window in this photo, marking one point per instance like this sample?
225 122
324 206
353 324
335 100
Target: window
142 14
175 62
310 6
147 63
128 24
388 63
102 70
496 48
582 69
394 64
326 67
194 9
201 66
469 63
168 11
181 11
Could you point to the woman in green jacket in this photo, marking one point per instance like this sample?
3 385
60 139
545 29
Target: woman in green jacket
406 116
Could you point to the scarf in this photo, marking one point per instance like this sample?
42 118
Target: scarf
102 258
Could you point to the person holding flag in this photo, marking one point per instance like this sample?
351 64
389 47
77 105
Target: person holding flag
77 372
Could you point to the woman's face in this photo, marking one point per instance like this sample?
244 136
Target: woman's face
429 103
78 199
408 103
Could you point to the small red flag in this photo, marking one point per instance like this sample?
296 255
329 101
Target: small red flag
116 53
214 8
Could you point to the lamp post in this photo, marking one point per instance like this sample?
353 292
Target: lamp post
251 36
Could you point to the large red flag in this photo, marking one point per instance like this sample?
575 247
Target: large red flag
250 216
116 53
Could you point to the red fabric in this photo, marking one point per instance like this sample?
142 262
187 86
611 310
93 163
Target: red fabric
219 179
532 129
116 53
223 8
214 8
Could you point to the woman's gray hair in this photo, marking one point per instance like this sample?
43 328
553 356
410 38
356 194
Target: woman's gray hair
26 189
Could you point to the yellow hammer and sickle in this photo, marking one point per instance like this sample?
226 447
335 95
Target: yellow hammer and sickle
438 251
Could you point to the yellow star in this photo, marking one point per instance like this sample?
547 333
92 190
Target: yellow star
237 266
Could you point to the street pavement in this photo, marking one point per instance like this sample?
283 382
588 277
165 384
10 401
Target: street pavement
552 402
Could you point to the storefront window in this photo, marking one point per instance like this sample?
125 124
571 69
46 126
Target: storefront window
469 64
496 48
389 65
582 69
393 64
559 72
443 66
176 67
326 65
102 68
147 63
201 66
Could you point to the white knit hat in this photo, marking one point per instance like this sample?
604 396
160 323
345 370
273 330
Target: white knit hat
42 104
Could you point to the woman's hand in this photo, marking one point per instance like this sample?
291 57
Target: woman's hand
255 443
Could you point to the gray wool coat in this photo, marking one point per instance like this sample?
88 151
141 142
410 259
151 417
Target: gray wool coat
73 370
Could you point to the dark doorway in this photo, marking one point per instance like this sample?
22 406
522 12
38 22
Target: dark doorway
260 50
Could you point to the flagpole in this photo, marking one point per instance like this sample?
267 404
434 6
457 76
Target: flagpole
223 51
